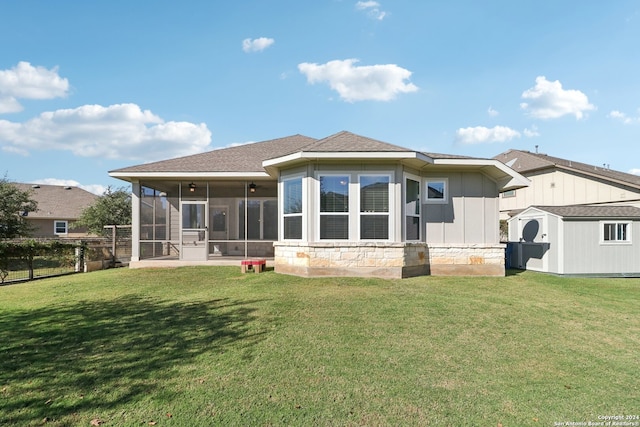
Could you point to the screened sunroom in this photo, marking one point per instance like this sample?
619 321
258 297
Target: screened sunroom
202 220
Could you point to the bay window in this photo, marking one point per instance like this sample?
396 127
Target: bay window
334 207
292 208
374 207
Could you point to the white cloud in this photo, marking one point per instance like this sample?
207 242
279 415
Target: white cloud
372 8
121 131
360 83
530 133
256 45
92 188
635 171
28 82
492 112
481 134
547 100
618 115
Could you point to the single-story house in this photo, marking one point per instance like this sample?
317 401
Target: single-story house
577 240
342 205
58 207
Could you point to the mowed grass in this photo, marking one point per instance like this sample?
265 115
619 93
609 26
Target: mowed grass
205 346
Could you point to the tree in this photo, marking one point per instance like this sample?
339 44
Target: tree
15 205
112 208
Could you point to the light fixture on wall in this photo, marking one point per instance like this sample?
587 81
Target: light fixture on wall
192 187
252 187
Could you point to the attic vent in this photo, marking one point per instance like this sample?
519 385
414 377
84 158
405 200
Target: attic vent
67 188
35 186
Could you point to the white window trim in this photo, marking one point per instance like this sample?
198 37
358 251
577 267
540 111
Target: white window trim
348 214
389 213
55 227
615 242
445 198
404 206
303 214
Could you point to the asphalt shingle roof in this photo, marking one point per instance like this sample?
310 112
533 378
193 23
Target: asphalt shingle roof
581 211
57 201
249 157
526 161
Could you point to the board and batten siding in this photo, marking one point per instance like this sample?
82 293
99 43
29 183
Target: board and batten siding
562 187
471 214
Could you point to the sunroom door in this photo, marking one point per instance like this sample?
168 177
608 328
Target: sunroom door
194 239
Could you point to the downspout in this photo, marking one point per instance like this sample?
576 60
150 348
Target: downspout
246 220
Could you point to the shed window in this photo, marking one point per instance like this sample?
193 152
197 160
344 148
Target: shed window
614 232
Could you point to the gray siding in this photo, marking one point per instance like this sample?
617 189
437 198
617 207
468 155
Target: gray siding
471 214
584 254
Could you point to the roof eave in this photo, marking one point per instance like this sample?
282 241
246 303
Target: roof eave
272 165
506 178
136 176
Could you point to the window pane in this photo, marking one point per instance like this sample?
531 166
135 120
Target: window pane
435 190
412 197
413 227
374 194
622 232
293 227
609 232
334 226
334 194
374 227
270 219
293 196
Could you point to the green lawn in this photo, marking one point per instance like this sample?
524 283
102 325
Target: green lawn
208 346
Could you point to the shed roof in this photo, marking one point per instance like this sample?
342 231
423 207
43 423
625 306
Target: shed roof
582 211
58 201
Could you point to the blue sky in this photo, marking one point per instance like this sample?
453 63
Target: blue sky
87 87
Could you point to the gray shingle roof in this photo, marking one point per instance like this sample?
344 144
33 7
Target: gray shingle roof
581 211
57 201
242 158
349 142
526 161
249 157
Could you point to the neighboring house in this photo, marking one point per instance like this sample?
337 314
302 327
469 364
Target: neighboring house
559 182
598 240
58 207
343 205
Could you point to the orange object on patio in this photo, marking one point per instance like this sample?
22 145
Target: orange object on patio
256 265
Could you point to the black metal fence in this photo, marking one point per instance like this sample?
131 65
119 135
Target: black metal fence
31 259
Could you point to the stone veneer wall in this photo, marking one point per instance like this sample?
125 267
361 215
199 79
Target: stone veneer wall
388 260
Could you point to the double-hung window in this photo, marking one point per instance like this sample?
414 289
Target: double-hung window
292 208
374 207
615 231
60 227
334 207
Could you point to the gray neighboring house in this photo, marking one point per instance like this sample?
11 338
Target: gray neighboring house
577 240
58 207
344 205
561 182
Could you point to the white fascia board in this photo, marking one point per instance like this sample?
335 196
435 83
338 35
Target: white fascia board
189 175
509 180
342 155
